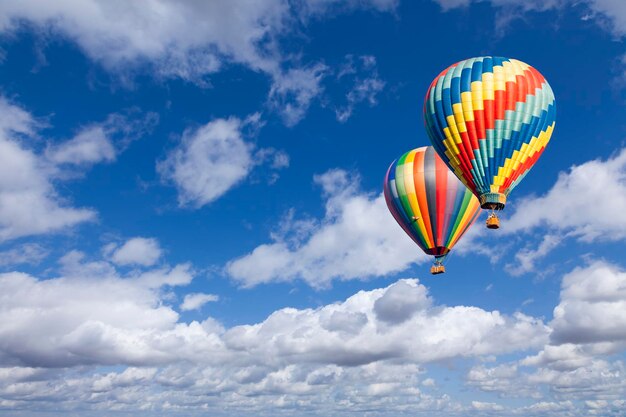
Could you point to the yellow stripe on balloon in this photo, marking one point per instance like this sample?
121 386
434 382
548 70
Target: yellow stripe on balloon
457 109
409 181
467 217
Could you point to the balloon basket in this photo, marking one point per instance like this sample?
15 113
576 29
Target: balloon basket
437 269
493 222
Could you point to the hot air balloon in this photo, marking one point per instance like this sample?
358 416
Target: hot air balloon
489 119
432 206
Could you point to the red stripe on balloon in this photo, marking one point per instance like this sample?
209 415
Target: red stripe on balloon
479 121
490 121
499 104
441 176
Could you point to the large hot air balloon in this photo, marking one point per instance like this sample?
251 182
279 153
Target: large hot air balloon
432 206
490 118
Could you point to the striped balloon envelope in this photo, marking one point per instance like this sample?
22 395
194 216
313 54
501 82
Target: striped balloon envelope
490 118
432 206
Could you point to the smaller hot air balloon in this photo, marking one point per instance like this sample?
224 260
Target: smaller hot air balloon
429 202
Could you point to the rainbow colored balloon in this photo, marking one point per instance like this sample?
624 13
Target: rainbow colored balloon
490 118
432 206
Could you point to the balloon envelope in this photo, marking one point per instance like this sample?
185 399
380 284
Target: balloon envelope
490 118
432 206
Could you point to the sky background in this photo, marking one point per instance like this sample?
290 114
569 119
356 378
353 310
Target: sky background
192 220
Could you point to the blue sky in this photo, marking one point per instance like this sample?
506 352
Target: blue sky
192 220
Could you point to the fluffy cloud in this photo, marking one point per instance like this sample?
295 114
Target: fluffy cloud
366 328
595 388
292 92
124 37
366 352
592 307
93 315
608 13
527 258
318 7
357 238
196 300
90 145
101 142
29 204
208 162
579 364
118 34
366 84
572 203
27 253
136 251
355 351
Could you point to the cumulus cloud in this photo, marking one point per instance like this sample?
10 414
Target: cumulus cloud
196 300
27 253
375 331
356 239
128 37
92 316
318 7
214 158
136 251
579 363
572 206
292 92
366 84
592 307
527 258
107 318
29 204
117 34
369 349
609 14
101 142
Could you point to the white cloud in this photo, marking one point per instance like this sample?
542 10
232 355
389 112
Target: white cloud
360 349
318 7
208 162
27 253
367 352
527 258
366 84
292 92
579 364
485 406
89 146
119 34
592 307
614 11
571 205
364 329
92 315
101 142
609 14
196 300
29 204
126 37
356 239
136 251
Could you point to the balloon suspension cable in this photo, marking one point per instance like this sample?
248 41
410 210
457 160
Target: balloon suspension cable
438 267
442 259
